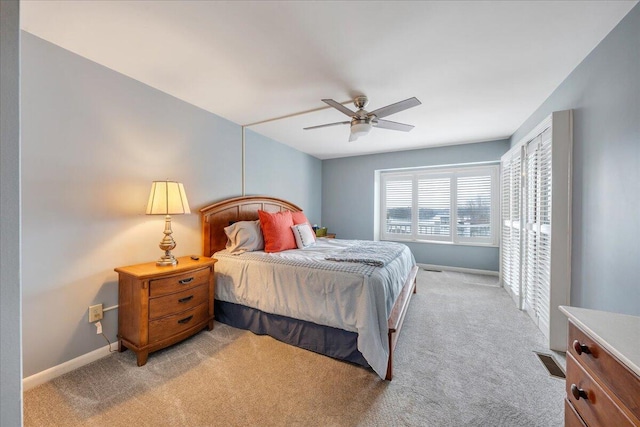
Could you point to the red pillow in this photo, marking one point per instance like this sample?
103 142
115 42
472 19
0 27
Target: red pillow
299 218
276 229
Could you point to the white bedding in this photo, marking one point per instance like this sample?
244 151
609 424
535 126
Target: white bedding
301 284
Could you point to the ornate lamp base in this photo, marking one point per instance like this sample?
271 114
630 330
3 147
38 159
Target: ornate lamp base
166 244
167 259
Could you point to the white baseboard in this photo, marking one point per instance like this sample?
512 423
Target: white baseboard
458 269
61 369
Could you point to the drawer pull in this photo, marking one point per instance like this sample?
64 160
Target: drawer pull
580 348
185 299
578 392
186 319
185 281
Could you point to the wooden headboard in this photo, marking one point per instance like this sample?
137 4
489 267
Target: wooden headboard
219 215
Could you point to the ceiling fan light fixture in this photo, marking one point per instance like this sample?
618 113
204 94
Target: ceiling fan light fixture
360 127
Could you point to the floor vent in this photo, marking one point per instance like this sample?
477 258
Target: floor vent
551 365
433 271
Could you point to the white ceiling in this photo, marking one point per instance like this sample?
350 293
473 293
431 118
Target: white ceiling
480 68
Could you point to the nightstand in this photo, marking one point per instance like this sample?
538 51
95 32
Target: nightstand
603 369
330 235
160 306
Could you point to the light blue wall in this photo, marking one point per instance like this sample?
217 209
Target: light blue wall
92 142
604 93
348 198
10 340
273 168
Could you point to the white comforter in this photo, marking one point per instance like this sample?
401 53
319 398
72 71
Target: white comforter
301 284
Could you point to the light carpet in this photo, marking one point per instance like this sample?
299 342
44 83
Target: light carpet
464 358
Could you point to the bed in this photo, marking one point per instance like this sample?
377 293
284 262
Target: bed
363 325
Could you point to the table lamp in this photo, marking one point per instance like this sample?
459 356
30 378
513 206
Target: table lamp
167 198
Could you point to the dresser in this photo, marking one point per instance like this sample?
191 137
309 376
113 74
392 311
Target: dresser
603 369
161 305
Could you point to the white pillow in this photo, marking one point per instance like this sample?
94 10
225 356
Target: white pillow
244 236
304 235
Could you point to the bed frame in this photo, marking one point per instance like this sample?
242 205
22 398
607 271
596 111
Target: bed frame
219 215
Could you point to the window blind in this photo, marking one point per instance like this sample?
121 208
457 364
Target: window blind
535 259
434 208
474 206
537 283
506 248
458 205
511 237
398 196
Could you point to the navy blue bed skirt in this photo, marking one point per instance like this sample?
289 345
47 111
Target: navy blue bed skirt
332 342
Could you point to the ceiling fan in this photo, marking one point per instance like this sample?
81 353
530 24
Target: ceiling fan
362 121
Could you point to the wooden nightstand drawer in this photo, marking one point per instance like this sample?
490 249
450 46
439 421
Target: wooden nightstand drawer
592 403
603 368
180 322
571 417
179 282
622 382
180 301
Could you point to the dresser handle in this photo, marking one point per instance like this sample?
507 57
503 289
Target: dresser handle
580 348
185 299
186 319
578 392
185 281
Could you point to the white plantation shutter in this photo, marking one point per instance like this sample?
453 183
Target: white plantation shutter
398 203
530 264
537 279
506 248
473 207
516 227
458 205
511 225
434 206
543 304
531 274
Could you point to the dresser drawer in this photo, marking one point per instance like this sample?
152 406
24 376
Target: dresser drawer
171 325
179 282
177 302
571 417
620 380
596 408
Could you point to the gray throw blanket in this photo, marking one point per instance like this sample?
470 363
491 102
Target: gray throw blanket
377 254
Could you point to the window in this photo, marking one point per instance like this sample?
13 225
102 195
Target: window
536 198
399 197
457 205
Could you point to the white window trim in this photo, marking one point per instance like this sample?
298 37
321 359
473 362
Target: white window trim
433 172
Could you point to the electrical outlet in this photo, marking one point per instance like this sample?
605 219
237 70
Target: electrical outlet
95 313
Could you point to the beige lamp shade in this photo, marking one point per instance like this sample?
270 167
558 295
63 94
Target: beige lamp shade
167 198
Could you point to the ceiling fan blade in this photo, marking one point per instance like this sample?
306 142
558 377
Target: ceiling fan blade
339 107
327 125
395 108
387 124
